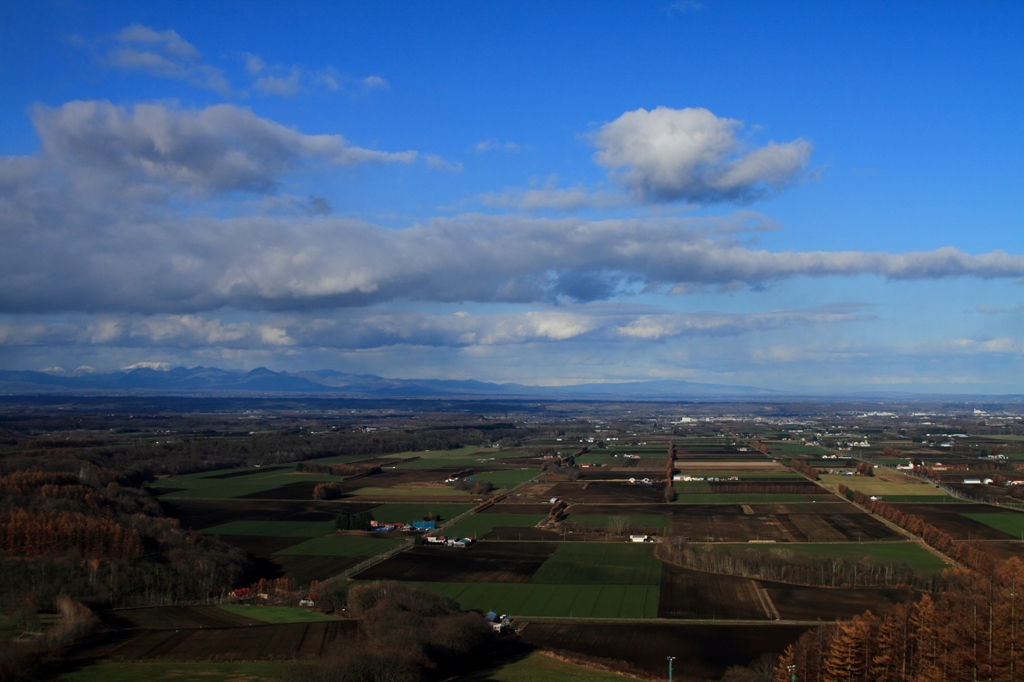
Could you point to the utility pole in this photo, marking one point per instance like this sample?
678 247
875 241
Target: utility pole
792 672
670 659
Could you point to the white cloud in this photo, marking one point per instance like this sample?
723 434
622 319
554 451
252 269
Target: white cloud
168 41
167 55
159 366
692 155
493 144
375 83
283 86
555 198
220 148
253 64
439 163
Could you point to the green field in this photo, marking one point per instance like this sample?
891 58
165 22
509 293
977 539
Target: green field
749 498
691 487
281 529
391 493
911 553
561 600
407 513
44 621
538 667
277 614
507 478
340 545
461 457
177 671
1008 523
201 486
479 525
580 563
637 522
781 449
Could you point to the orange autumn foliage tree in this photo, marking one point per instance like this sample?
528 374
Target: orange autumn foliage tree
55 533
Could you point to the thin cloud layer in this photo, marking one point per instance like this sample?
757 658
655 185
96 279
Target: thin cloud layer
377 328
692 155
165 54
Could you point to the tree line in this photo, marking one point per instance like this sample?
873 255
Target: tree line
972 630
963 552
784 565
804 468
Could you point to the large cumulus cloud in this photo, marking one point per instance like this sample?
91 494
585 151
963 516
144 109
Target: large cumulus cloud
692 155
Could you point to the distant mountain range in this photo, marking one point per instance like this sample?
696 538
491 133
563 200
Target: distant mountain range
326 382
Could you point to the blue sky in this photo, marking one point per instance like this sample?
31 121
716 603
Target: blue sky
816 197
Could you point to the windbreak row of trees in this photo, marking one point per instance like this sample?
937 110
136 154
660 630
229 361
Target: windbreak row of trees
783 565
965 553
804 468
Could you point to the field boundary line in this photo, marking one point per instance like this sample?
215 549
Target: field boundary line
384 556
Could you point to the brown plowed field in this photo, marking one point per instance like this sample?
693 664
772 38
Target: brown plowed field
256 642
304 569
260 545
512 507
701 651
728 523
684 465
599 492
797 602
524 533
686 593
174 618
198 514
498 562
949 519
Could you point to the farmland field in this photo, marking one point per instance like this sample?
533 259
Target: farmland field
1011 523
494 562
810 522
706 649
444 493
885 484
958 519
600 564
634 522
554 600
479 525
282 529
537 667
409 512
342 545
175 671
277 614
910 553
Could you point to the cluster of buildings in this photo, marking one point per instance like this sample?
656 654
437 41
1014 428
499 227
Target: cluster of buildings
447 541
